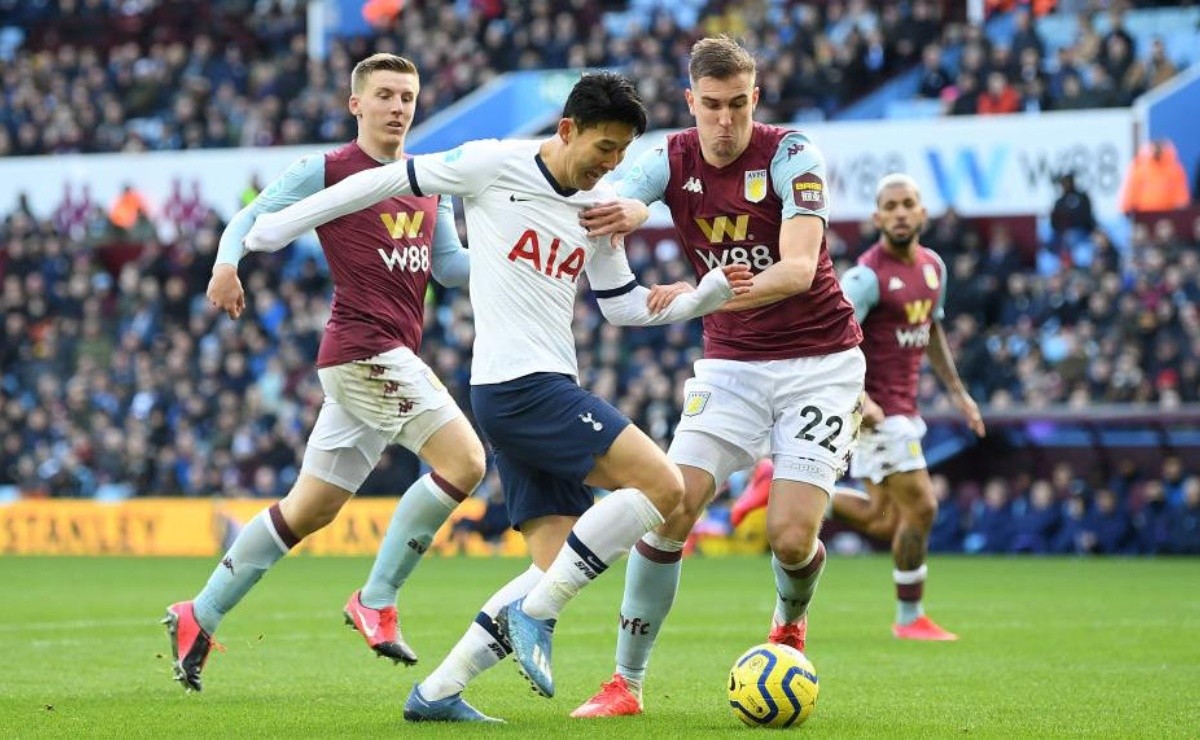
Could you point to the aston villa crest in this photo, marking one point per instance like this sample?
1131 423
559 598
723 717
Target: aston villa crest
756 185
931 276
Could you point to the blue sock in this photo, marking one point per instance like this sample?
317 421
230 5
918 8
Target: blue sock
423 508
797 584
651 580
261 544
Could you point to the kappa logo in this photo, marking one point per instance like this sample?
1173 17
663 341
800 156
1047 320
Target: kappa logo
794 149
693 185
588 419
417 546
228 563
895 283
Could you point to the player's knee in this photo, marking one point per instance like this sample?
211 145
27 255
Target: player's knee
922 512
795 542
467 469
665 490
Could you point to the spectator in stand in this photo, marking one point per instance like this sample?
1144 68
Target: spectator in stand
1000 97
946 534
1071 218
1183 529
934 77
1155 181
991 528
1152 519
1106 529
963 97
1037 520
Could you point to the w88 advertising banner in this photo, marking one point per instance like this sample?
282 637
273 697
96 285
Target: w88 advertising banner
980 165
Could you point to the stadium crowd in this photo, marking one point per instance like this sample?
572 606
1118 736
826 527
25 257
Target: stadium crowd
116 377
99 75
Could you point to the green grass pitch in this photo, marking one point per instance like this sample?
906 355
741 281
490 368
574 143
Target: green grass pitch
1049 648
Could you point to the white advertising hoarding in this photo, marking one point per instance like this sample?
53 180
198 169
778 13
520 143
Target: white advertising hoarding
983 165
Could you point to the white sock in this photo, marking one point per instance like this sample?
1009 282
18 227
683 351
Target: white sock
481 646
601 537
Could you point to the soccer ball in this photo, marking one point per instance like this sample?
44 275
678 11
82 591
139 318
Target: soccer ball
773 686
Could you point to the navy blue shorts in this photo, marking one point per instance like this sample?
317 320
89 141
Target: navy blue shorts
546 433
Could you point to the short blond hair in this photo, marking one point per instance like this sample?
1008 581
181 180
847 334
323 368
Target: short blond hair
896 179
375 63
719 57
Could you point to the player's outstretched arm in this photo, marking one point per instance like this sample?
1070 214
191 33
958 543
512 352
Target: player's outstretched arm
272 231
942 362
635 305
301 179
451 263
799 247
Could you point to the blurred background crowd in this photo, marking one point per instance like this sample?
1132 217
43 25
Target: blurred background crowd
116 377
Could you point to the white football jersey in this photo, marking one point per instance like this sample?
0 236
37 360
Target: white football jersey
528 250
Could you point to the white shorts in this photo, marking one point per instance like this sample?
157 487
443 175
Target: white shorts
391 398
803 412
892 447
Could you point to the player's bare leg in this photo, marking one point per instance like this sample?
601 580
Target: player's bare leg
457 458
871 513
651 581
311 504
645 486
912 495
794 517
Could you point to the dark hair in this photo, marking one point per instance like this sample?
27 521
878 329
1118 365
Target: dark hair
605 97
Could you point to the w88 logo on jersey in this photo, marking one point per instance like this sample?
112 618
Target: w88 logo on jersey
757 257
413 258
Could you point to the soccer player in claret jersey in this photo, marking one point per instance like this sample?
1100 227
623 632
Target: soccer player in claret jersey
552 439
898 289
377 390
782 372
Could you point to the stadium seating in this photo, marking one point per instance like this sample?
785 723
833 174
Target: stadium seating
91 299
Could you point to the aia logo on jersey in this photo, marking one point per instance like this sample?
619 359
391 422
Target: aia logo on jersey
808 192
403 224
555 259
725 228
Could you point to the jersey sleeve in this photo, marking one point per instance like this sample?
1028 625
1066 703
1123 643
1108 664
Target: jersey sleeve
861 286
465 171
301 179
648 177
623 301
798 175
939 312
451 263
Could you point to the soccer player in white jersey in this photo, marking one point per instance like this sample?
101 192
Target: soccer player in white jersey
782 372
552 439
377 390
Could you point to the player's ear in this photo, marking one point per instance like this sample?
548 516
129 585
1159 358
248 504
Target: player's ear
876 221
566 129
691 100
352 104
754 98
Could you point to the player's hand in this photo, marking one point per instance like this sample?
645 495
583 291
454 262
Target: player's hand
615 218
740 278
872 413
225 291
970 411
661 296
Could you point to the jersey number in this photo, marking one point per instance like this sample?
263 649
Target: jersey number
814 417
